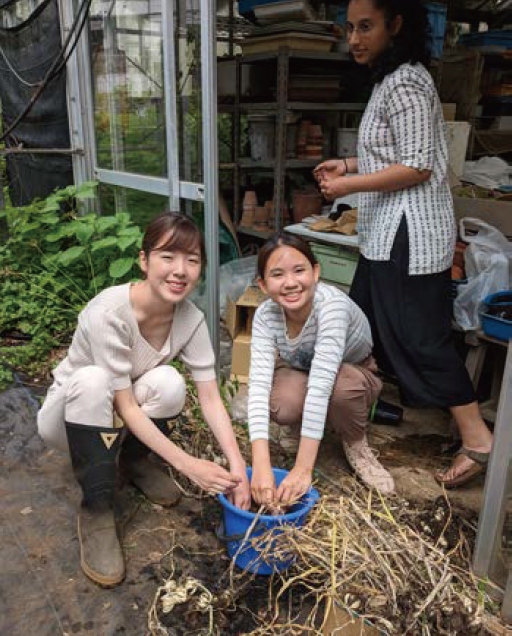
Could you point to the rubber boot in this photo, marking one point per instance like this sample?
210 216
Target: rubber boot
146 473
93 451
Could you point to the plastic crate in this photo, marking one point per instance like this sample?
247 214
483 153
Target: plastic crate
494 326
247 6
501 38
436 14
337 264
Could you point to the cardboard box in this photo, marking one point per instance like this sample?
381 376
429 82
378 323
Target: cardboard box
449 110
241 358
457 137
239 317
492 211
341 622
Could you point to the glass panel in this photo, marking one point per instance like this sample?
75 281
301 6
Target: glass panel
17 13
127 77
501 561
141 206
188 90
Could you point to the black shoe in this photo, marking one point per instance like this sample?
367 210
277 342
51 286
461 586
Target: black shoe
385 413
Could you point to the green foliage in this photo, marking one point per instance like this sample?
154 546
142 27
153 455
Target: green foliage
53 262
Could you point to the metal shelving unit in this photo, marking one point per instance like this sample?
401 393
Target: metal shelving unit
279 164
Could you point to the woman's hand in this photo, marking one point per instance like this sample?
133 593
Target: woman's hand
294 485
241 495
335 188
210 476
332 168
263 485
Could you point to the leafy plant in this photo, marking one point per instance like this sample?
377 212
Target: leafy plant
53 262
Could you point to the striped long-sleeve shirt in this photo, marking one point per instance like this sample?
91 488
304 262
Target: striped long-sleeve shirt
336 331
403 124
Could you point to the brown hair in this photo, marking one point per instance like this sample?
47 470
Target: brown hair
184 235
280 239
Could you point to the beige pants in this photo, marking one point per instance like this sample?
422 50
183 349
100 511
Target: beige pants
355 390
87 397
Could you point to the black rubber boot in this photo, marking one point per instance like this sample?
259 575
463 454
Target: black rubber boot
93 451
147 472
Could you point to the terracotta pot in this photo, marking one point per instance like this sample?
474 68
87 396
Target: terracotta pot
305 204
261 216
250 198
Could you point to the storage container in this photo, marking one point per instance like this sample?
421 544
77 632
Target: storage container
237 522
337 263
500 38
436 13
261 130
347 142
493 325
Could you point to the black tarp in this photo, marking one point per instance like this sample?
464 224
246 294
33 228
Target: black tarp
27 52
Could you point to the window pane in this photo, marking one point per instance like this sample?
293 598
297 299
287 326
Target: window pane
141 206
127 72
188 90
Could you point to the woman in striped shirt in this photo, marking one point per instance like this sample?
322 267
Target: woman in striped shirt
406 222
311 362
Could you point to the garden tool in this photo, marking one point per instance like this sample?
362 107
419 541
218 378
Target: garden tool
147 472
93 451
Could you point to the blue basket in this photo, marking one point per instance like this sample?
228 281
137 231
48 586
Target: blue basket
502 38
494 326
238 521
436 14
247 6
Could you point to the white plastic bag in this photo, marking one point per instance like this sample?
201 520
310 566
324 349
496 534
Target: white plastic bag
488 269
234 277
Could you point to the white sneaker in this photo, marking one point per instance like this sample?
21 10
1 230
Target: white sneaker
367 467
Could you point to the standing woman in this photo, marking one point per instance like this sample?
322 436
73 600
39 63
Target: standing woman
119 361
406 223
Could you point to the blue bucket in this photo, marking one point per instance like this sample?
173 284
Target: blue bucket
237 522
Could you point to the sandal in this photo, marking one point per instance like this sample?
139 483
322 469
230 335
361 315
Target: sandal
479 465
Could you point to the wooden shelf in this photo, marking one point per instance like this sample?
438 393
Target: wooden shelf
305 55
249 231
269 164
308 106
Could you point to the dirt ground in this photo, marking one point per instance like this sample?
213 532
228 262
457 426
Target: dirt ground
42 589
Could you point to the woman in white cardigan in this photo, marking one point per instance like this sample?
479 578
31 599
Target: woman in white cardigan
119 362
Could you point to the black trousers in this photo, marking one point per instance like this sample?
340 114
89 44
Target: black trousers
410 318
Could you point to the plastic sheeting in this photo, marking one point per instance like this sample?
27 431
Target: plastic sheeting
27 52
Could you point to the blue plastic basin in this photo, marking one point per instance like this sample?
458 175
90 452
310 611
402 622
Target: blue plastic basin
238 521
494 326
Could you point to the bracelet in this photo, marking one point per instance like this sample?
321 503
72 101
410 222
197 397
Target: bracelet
346 165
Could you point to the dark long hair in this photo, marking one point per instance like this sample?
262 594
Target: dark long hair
280 239
411 44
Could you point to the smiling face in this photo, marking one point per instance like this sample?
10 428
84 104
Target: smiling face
290 280
368 32
171 273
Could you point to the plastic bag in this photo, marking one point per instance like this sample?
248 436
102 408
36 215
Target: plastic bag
487 172
488 269
234 277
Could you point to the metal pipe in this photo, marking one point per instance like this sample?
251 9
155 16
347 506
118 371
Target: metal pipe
207 16
171 116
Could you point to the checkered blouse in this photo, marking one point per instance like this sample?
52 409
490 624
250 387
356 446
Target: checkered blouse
403 124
